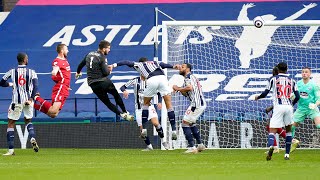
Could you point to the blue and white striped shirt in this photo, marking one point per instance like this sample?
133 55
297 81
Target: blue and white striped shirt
282 86
146 69
196 95
25 83
138 87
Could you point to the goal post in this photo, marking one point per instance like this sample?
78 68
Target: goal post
233 61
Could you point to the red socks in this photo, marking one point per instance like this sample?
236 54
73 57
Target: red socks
43 106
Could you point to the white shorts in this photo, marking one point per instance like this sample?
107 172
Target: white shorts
192 117
157 84
18 109
152 114
282 116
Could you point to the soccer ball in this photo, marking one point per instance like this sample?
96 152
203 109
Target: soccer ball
258 22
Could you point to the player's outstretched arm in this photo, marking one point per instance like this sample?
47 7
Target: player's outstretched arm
262 95
79 68
182 90
123 63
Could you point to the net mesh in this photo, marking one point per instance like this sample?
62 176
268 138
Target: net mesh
234 64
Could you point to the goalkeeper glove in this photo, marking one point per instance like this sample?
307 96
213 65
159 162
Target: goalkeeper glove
312 106
78 75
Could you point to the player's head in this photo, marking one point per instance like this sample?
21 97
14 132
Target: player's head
283 67
62 49
22 58
306 73
275 71
143 59
185 69
268 17
104 47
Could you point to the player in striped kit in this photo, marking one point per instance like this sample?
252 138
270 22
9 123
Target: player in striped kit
193 91
139 86
61 75
25 86
156 82
282 86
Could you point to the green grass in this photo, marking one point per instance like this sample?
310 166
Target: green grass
134 164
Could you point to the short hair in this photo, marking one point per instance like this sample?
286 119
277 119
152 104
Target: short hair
275 71
60 47
21 56
283 67
188 65
143 59
306 67
104 44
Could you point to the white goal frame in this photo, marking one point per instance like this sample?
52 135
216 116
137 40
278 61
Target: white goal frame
165 24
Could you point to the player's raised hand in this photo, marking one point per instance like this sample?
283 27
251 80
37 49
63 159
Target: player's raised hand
125 94
77 76
309 6
256 97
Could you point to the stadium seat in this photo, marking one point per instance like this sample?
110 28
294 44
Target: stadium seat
231 115
107 116
66 114
213 115
86 114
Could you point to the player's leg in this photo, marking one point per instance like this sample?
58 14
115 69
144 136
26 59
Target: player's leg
10 137
298 117
171 115
276 121
54 109
113 91
287 119
100 89
194 115
28 114
315 115
187 125
14 113
41 105
188 134
143 132
153 116
288 141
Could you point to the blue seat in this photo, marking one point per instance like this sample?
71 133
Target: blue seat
66 114
212 115
107 116
231 115
86 114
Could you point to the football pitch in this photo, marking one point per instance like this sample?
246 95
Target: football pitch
134 164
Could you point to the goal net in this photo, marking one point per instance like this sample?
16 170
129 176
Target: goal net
233 61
